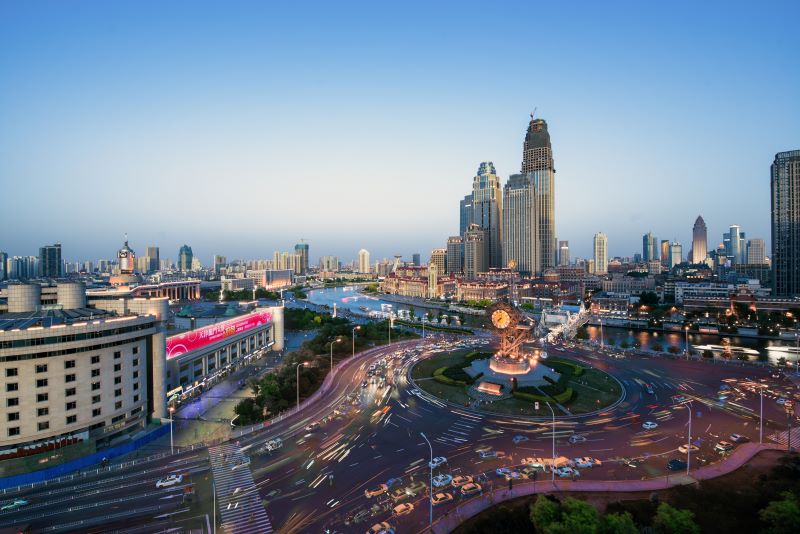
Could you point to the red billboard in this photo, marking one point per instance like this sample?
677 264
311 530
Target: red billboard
183 343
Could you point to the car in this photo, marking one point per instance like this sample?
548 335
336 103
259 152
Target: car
441 480
487 454
393 481
519 439
529 472
502 471
441 498
676 465
738 438
378 490
364 384
436 462
686 448
513 475
567 472
632 462
169 480
649 389
586 461
311 427
780 400
403 509
724 446
461 480
576 438
649 425
14 505
415 488
381 528
244 462
470 489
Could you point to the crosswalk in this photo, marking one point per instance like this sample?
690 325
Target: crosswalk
458 432
238 500
783 438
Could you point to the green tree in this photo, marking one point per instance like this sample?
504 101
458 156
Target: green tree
618 524
625 345
648 298
412 312
782 516
578 517
669 520
544 512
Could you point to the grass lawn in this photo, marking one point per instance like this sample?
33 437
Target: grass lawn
456 394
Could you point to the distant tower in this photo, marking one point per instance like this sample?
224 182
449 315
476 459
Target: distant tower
600 253
185 258
537 162
455 255
487 209
563 253
476 251
785 199
126 258
363 261
649 247
301 250
521 224
699 241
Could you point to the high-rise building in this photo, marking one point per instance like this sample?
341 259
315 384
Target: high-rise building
363 261
455 254
416 259
649 247
537 158
734 241
675 254
219 263
785 200
126 259
600 253
476 251
563 253
185 258
50 261
329 264
665 253
439 258
465 214
153 259
520 243
699 241
756 252
433 279
301 250
3 266
487 210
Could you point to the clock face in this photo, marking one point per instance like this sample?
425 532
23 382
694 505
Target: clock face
501 319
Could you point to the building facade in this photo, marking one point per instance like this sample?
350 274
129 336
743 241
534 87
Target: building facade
537 158
185 258
520 243
785 201
439 259
699 241
476 251
487 209
363 261
649 247
600 253
50 261
455 255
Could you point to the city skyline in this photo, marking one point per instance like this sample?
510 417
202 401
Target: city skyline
194 134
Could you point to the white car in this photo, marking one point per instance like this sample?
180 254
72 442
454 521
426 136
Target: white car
585 462
170 480
442 480
567 472
649 425
487 454
686 448
436 462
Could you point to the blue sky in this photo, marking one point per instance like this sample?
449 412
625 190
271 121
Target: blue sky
241 127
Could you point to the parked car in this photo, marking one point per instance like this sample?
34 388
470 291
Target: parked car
376 491
470 489
436 462
519 439
724 446
169 480
738 438
441 498
461 480
403 509
676 465
442 480
649 425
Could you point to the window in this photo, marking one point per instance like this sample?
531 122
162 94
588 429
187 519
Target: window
198 372
41 383
69 364
41 412
12 401
135 362
69 392
95 373
42 397
12 386
118 392
136 350
95 386
72 419
71 406
136 398
117 367
136 386
13 431
118 380
95 399
43 425
41 368
184 367
69 378
95 359
13 416
11 371
118 418
136 374
96 412
117 405
136 410
117 355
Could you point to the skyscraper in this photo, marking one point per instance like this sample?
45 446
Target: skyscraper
665 253
185 258
219 263
649 247
50 261
600 253
487 209
563 253
438 258
476 251
455 255
537 158
153 259
756 252
675 254
3 266
415 259
734 241
785 200
363 261
521 224
699 241
465 214
301 250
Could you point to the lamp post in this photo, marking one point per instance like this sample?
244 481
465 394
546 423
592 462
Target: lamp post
171 442
689 441
354 338
423 324
390 328
686 333
214 492
553 465
761 415
601 333
430 488
302 364
337 340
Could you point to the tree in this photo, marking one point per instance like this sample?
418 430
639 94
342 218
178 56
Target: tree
412 312
625 345
656 346
578 517
673 349
618 524
782 516
544 512
669 520
649 299
708 354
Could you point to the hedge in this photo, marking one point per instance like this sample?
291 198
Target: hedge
438 375
561 398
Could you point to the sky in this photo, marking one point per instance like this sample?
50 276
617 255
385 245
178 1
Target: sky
240 128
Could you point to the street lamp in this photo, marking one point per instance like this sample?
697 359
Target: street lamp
761 414
171 442
689 441
423 324
553 465
686 332
337 340
430 488
601 332
354 338
302 364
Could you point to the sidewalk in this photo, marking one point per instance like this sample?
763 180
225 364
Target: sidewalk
738 458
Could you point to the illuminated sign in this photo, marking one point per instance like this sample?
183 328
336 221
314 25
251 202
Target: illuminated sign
183 343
